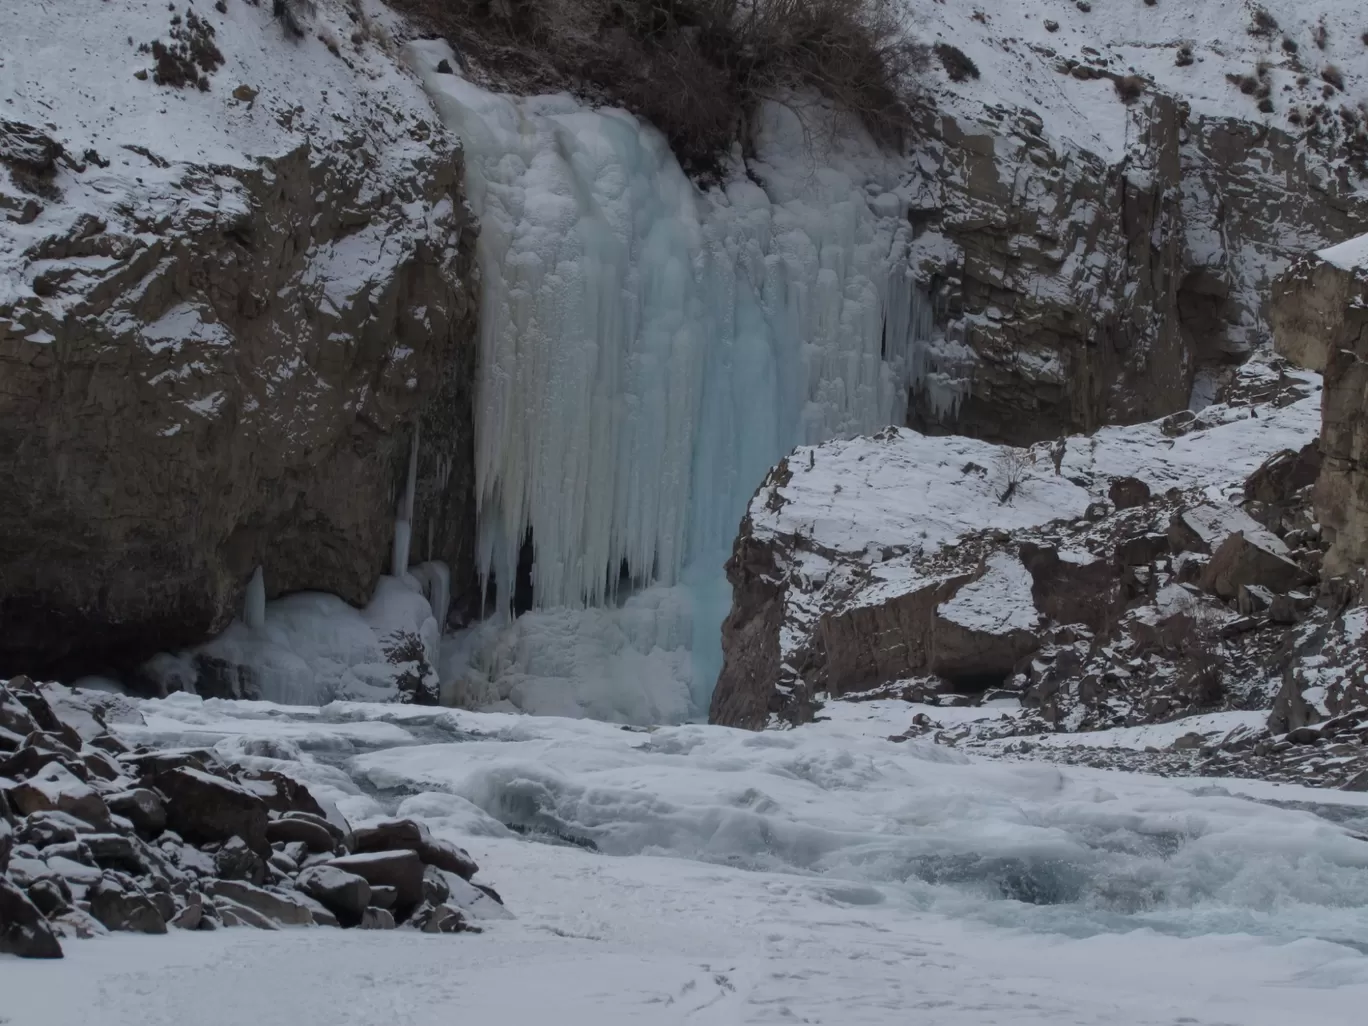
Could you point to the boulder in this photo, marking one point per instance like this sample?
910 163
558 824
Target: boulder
189 915
50 895
345 894
1280 477
401 869
6 842
280 793
1203 527
313 835
54 788
231 913
120 904
38 750
1242 561
148 765
23 929
236 861
203 808
278 907
395 834
142 807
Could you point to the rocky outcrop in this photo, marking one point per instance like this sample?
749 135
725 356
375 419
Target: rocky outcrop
1055 274
222 345
1075 287
1321 318
214 844
903 565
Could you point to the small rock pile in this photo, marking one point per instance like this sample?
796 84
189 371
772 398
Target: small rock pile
97 835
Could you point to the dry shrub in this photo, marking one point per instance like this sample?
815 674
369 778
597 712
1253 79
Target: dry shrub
696 69
1333 76
1129 87
1264 24
956 62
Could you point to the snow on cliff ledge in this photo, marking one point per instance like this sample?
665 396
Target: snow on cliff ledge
82 73
899 488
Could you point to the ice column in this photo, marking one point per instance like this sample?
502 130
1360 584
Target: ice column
254 602
403 521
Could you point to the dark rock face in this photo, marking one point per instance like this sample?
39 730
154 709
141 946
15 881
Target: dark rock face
1040 344
201 807
23 929
1321 315
346 895
121 905
141 807
402 870
395 834
235 384
755 682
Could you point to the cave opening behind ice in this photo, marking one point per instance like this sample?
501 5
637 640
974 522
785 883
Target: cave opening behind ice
648 350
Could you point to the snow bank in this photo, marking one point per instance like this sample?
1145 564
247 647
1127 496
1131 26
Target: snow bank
1349 255
1021 61
312 648
901 488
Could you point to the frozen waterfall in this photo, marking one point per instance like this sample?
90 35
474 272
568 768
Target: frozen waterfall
648 350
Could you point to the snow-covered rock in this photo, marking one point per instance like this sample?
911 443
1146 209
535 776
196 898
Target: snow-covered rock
880 562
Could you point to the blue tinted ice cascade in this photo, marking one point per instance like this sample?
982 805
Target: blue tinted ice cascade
649 350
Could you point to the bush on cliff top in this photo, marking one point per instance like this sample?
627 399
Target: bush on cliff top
693 68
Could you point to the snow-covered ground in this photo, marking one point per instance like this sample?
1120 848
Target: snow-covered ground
699 874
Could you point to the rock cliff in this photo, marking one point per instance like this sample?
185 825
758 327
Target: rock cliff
235 293
1320 315
1106 198
1080 577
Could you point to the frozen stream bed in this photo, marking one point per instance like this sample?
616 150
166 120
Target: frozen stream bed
823 875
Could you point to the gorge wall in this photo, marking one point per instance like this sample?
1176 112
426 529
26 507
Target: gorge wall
224 313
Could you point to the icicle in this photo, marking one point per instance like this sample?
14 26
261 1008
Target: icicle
403 523
254 602
435 577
